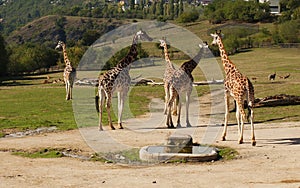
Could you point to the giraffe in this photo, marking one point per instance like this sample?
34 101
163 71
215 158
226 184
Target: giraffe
239 87
169 71
69 71
182 83
117 79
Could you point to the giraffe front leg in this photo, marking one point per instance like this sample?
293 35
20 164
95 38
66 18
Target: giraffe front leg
100 106
71 92
67 90
179 113
226 116
121 99
167 97
175 105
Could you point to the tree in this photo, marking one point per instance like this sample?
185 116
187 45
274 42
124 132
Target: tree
4 58
180 8
189 16
171 8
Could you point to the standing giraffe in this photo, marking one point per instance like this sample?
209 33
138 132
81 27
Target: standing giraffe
69 71
237 86
182 83
169 71
117 79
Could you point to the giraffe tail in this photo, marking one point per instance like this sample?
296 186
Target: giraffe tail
250 94
97 101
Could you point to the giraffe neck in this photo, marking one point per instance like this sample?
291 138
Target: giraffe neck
227 64
66 59
190 65
167 57
131 56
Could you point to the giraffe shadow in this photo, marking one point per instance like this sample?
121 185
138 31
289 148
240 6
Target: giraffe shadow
284 141
275 119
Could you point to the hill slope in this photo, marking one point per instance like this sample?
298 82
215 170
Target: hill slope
67 28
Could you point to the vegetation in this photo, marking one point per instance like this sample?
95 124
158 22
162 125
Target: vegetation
247 11
227 153
27 42
43 153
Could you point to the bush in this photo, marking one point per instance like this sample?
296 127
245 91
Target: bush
189 16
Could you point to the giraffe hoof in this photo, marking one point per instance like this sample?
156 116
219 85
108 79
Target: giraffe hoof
188 125
112 128
121 127
178 126
223 138
241 141
254 143
101 129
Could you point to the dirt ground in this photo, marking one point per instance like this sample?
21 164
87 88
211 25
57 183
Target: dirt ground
274 162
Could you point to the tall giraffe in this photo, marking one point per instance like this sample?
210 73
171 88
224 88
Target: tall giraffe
69 71
239 87
169 71
117 79
182 83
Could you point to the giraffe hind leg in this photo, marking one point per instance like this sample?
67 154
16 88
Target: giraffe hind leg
252 127
108 106
240 119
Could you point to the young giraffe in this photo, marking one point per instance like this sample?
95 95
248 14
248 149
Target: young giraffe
169 71
117 79
69 71
182 82
237 86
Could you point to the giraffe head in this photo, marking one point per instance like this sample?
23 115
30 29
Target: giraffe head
162 42
59 45
217 36
142 35
204 45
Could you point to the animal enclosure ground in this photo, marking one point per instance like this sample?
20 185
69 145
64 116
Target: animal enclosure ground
274 162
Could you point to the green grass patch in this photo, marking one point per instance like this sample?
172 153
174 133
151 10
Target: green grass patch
31 107
26 103
43 153
226 153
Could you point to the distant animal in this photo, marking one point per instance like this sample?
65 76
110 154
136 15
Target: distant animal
272 76
286 76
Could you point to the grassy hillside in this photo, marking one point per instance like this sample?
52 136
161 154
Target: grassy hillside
53 28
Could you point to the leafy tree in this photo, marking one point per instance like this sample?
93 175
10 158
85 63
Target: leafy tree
30 57
238 10
290 10
4 58
289 31
189 16
171 9
180 7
